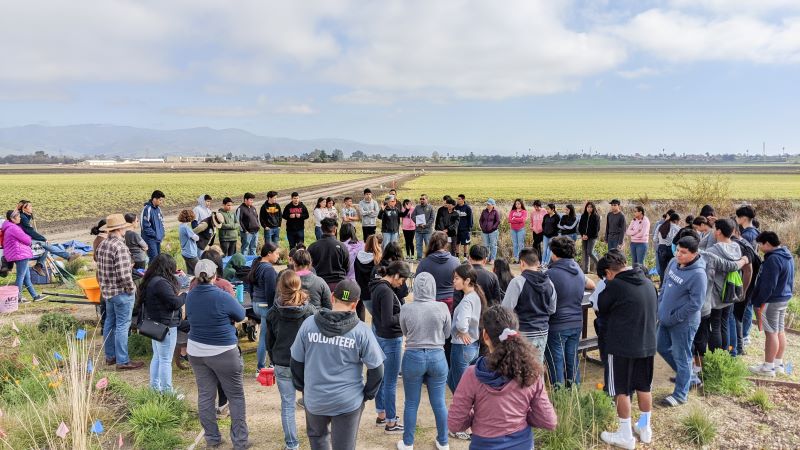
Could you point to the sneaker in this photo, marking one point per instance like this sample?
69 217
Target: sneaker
618 440
440 446
463 435
670 401
780 370
397 428
402 446
39 298
380 422
695 382
223 411
746 340
301 403
645 434
761 369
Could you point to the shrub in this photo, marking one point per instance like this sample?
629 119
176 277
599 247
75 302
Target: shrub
723 374
793 313
156 419
76 266
581 418
760 398
699 189
58 322
139 346
699 429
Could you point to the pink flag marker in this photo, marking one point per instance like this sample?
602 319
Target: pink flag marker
102 384
62 430
119 442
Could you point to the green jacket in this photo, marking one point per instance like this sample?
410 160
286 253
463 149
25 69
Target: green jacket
230 228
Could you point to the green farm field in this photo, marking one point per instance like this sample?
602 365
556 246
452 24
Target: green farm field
506 185
69 196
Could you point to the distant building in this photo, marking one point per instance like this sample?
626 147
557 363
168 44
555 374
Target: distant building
100 162
186 159
151 160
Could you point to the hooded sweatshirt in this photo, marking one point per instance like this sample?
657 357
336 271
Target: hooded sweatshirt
353 248
385 309
628 307
567 225
569 282
441 265
363 268
369 212
270 215
684 292
533 297
328 357
466 317
550 225
589 225
319 294
237 262
447 221
390 220
639 230
248 218
425 323
264 283
465 221
16 243
26 222
152 222
201 211
615 226
489 221
499 411
517 218
188 240
295 223
283 322
330 258
775 279
727 251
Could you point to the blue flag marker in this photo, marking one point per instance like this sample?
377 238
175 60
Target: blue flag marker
89 367
642 422
81 334
97 428
788 368
58 356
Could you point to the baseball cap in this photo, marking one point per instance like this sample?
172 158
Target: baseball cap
347 291
490 202
205 266
615 202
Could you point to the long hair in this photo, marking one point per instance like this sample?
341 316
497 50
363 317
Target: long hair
515 358
96 230
586 209
438 242
467 272
373 245
320 201
392 252
163 266
347 232
290 289
663 230
503 272
521 204
268 248
571 210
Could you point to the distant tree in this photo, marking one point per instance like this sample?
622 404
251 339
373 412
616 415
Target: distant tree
358 155
435 156
338 155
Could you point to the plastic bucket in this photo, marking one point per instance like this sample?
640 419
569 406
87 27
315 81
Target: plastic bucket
9 299
91 289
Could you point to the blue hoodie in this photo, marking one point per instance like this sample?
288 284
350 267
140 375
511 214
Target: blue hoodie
775 279
152 222
441 265
569 282
684 292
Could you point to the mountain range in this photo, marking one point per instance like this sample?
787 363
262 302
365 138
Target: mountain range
131 142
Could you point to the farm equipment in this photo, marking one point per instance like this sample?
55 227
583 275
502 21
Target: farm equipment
91 293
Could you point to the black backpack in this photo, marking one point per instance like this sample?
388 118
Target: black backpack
755 260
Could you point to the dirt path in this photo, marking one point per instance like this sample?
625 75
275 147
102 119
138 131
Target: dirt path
81 232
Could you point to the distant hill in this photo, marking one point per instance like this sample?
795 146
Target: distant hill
124 141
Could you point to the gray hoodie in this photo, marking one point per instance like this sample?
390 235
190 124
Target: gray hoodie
201 211
721 258
425 322
369 212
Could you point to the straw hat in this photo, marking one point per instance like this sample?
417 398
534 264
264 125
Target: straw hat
115 222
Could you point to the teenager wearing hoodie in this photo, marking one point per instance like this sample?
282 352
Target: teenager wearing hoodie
319 294
368 210
295 214
188 239
230 227
348 237
386 321
447 220
283 322
441 264
408 226
249 225
503 395
17 250
726 250
568 223
745 215
566 323
537 214
466 318
153 224
589 229
771 296
683 292
28 225
366 261
490 224
270 218
628 306
532 296
424 219
330 257
639 232
465 224
203 209
425 324
389 216
549 231
262 280
136 245
328 359
516 221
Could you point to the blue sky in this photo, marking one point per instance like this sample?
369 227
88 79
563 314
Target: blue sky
548 75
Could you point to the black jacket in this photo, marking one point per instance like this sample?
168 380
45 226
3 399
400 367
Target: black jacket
283 322
589 225
364 274
628 308
535 301
489 284
295 224
330 258
385 309
390 220
270 215
401 291
568 225
161 303
447 221
550 225
248 218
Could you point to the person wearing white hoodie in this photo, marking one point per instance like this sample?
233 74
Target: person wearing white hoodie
203 209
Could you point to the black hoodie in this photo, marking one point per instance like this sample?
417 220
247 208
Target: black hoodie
532 296
550 225
295 224
628 307
282 325
330 258
248 218
589 225
390 220
447 221
270 215
385 309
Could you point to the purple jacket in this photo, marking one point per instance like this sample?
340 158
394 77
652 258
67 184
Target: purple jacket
490 221
16 244
353 249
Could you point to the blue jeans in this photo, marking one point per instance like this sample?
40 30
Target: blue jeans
518 241
24 277
261 350
161 364
546 250
295 237
613 243
747 320
675 346
427 366
390 237
116 326
49 249
272 235
422 238
249 242
153 247
317 233
490 241
562 350
733 338
638 252
386 398
460 357
283 377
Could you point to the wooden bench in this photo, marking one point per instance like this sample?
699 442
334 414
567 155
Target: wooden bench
587 344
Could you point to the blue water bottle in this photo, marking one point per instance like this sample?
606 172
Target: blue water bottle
240 293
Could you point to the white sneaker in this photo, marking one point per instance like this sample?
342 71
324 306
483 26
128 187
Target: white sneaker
746 341
618 440
761 369
402 446
645 434
780 370
440 446
463 435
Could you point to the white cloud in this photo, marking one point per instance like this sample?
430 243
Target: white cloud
300 109
737 6
638 73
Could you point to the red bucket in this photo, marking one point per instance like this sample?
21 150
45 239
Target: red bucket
9 299
267 376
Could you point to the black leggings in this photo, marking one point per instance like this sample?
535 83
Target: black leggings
408 236
719 328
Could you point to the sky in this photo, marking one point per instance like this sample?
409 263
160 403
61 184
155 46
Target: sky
544 76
